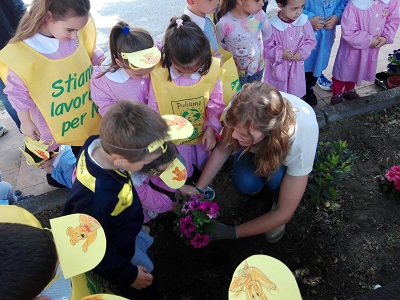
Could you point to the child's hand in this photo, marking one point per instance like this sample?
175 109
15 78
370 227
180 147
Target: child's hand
296 56
382 41
209 140
29 128
317 22
188 190
287 54
143 279
331 22
375 41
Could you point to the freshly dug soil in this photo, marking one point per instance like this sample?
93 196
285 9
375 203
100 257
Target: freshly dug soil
334 254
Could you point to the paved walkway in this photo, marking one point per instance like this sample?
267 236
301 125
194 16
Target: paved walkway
32 180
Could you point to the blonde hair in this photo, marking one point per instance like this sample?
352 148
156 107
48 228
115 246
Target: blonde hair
260 106
34 18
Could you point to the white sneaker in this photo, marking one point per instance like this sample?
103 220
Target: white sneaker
146 229
275 235
3 130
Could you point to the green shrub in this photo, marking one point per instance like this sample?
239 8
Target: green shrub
332 165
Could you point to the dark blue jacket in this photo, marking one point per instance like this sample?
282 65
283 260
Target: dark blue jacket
97 194
11 11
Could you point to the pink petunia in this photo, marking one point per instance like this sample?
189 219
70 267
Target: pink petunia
210 208
396 169
194 203
200 240
187 226
391 175
397 184
185 207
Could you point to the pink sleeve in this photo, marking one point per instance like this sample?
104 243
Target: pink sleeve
273 50
18 93
98 90
152 101
308 41
356 38
392 22
266 28
214 109
97 56
153 200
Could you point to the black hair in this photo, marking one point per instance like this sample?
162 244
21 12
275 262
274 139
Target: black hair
28 260
186 45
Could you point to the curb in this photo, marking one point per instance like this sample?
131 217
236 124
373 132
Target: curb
46 201
375 102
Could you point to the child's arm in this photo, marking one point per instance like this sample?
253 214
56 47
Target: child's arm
18 95
209 139
152 101
331 22
317 22
99 91
340 8
97 57
356 38
221 33
214 109
152 199
143 279
307 44
266 28
392 22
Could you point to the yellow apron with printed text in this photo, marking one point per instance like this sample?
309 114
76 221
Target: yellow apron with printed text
228 72
187 101
59 88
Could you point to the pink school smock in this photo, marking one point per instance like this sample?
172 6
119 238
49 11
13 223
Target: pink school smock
17 91
116 86
288 76
361 21
197 154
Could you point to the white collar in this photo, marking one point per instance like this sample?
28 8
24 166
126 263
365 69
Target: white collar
43 44
200 21
366 4
119 76
175 75
282 26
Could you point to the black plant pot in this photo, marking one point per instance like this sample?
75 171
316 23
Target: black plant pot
381 79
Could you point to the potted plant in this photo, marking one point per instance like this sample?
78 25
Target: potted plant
394 69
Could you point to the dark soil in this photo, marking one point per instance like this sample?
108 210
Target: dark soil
334 254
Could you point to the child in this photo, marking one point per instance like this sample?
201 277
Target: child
242 27
367 25
291 43
28 260
51 96
324 16
188 84
199 12
131 136
120 77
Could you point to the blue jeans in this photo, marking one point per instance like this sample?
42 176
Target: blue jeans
7 105
249 183
249 79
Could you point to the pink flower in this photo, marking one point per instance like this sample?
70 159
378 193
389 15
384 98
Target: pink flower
210 208
185 207
200 240
392 176
194 203
396 169
397 184
187 226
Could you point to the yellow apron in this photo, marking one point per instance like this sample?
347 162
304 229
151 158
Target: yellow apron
187 101
228 72
59 88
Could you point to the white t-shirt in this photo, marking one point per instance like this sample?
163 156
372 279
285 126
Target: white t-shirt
300 159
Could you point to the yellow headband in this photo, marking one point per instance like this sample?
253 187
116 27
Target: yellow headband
142 59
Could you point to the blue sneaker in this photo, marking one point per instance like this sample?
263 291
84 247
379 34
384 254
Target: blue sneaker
324 83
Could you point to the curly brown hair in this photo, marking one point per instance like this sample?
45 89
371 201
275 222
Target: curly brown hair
261 106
